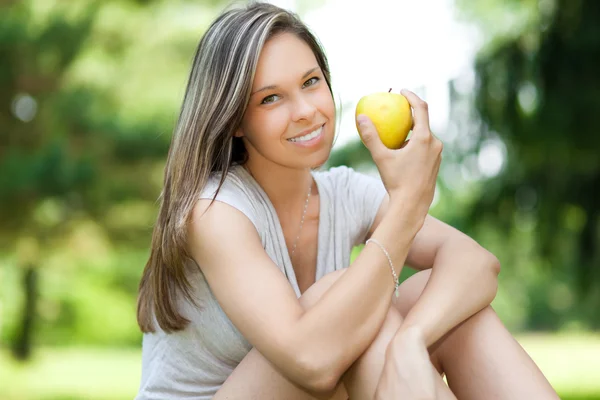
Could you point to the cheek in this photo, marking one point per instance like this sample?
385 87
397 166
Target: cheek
274 123
326 103
263 127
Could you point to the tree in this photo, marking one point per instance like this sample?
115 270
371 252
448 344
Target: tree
540 91
67 153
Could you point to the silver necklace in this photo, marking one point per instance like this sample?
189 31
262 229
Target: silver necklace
303 212
301 221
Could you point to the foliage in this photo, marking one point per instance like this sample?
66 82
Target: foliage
539 92
85 133
90 92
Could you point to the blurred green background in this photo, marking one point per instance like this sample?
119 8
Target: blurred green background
89 93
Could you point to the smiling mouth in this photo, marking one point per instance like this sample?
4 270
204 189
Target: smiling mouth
308 136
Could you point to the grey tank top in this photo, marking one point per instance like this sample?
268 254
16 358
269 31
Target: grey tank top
194 363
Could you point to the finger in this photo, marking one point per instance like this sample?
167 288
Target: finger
421 110
369 136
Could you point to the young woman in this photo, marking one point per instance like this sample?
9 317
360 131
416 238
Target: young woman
249 292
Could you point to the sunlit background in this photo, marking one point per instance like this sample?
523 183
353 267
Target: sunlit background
89 93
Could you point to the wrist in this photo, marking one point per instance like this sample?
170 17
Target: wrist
407 210
413 331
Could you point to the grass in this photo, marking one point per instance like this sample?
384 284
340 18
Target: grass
73 373
570 362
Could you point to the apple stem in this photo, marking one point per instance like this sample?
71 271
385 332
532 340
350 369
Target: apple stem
389 91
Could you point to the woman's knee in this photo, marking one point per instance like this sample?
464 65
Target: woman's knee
317 289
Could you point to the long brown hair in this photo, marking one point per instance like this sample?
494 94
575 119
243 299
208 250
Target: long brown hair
203 142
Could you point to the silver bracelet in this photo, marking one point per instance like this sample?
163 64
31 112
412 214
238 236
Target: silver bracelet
396 283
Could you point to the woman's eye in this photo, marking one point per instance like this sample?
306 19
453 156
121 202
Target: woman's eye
272 98
311 82
269 99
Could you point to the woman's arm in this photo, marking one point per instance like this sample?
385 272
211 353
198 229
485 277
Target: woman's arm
464 277
312 348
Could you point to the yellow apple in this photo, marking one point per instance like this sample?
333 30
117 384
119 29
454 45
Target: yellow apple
391 114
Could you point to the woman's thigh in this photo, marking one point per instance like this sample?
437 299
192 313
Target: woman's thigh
256 378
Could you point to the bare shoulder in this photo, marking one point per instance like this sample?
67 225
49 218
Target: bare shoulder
215 227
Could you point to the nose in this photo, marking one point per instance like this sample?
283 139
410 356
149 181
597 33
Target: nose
303 109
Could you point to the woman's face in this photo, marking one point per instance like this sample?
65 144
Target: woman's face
290 118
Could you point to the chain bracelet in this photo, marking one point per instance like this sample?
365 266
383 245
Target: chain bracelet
394 275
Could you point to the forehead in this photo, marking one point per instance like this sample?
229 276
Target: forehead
283 58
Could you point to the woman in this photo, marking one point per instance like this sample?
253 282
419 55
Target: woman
247 294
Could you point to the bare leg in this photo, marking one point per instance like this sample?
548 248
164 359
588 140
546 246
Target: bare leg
256 378
398 369
480 357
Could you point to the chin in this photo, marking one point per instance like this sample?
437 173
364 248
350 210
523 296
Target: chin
320 159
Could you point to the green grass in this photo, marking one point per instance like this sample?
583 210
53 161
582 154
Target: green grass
74 373
570 363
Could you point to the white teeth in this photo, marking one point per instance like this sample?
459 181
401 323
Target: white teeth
310 136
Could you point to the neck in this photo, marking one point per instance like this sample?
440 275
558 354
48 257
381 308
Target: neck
287 188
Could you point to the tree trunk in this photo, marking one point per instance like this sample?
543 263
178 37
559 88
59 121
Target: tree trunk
22 344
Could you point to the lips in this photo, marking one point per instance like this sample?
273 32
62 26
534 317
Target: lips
307 131
309 137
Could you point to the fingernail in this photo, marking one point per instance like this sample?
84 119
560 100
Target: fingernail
362 119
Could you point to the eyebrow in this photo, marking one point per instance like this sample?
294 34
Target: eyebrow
271 87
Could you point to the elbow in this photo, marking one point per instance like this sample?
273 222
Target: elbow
493 264
323 386
491 270
318 377
485 259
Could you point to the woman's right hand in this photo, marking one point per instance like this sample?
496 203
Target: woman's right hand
408 372
409 173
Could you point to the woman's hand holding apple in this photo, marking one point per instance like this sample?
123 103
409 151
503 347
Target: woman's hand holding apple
410 172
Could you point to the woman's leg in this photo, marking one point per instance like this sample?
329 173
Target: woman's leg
480 357
256 378
399 371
